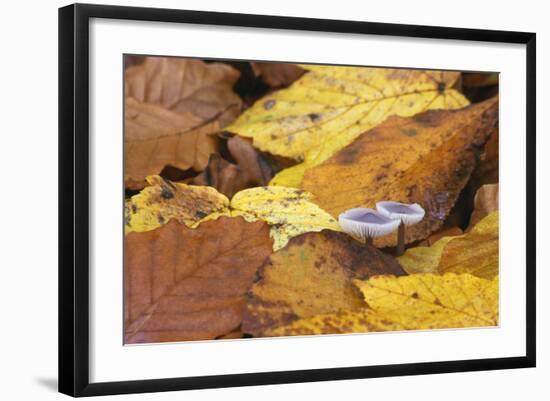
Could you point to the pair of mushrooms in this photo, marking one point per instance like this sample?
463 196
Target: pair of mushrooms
368 224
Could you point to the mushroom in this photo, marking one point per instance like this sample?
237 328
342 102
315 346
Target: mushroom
406 214
366 224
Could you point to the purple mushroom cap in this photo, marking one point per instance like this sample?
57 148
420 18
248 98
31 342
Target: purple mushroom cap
366 223
408 214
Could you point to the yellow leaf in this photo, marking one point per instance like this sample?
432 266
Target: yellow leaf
312 275
429 301
475 252
328 107
426 159
289 212
416 302
341 322
163 200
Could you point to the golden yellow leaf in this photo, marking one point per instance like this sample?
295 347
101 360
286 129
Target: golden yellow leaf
426 159
328 107
416 302
429 301
341 322
475 252
163 200
288 211
312 275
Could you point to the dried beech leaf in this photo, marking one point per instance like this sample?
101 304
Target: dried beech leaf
426 159
163 200
190 284
277 74
417 302
185 86
252 169
475 252
328 107
485 202
310 276
155 137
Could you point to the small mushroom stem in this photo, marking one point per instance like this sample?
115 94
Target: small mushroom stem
369 241
401 239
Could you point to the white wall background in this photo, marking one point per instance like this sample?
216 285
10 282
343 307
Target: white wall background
28 200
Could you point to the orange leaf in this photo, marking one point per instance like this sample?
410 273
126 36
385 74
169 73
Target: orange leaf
426 159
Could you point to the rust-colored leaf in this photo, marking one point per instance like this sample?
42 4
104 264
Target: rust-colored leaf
312 275
190 284
185 86
426 159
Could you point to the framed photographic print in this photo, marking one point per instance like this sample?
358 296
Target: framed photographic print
250 199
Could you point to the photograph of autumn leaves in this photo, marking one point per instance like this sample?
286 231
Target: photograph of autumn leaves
277 199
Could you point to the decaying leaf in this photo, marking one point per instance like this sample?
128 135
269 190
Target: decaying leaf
476 80
310 276
252 169
475 252
289 212
163 200
277 74
185 86
485 202
417 302
183 284
426 159
155 137
328 107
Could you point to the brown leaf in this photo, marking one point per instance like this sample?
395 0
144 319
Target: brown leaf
155 137
189 284
252 169
312 275
226 177
277 74
486 171
485 202
185 86
476 80
426 159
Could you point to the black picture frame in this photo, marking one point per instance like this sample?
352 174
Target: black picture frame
74 198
